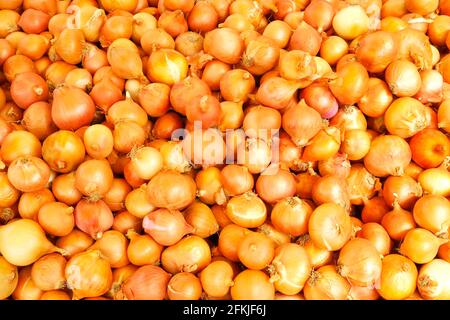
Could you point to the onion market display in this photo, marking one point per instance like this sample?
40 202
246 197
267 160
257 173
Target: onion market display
224 149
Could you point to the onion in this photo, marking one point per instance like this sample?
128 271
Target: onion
63 188
184 91
301 122
201 218
351 84
376 51
28 88
18 144
432 281
72 108
166 125
204 147
137 204
246 210
93 58
388 155
217 278
420 245
359 262
209 186
191 254
398 277
143 250
432 213
179 192
377 235
298 65
236 179
398 222
8 193
213 72
26 289
429 148
230 238
325 283
252 285
431 89
333 49
324 145
204 110
421 7
155 39
351 22
224 44
305 38
8 278
290 268
260 55
113 247
279 31
56 218
166 227
22 242
75 242
184 286
94 177
128 135
167 66
319 97
349 118
338 165
123 56
17 64
173 22
88 274
31 202
415 46
282 181
331 189
114 28
377 98
28 174
236 85
9 22
356 144
98 140
436 181
317 256
362 185
291 216
111 5
404 190
48 272
115 197
69 45
256 251
63 151
220 214
329 227
125 221
93 217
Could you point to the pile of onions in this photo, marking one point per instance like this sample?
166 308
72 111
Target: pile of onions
220 149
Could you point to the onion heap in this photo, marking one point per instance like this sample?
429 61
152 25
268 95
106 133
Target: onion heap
224 149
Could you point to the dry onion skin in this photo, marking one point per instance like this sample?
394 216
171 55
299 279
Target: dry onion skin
195 150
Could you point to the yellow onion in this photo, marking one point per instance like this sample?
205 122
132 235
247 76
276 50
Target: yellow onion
23 241
433 281
8 278
191 254
359 262
290 268
88 274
